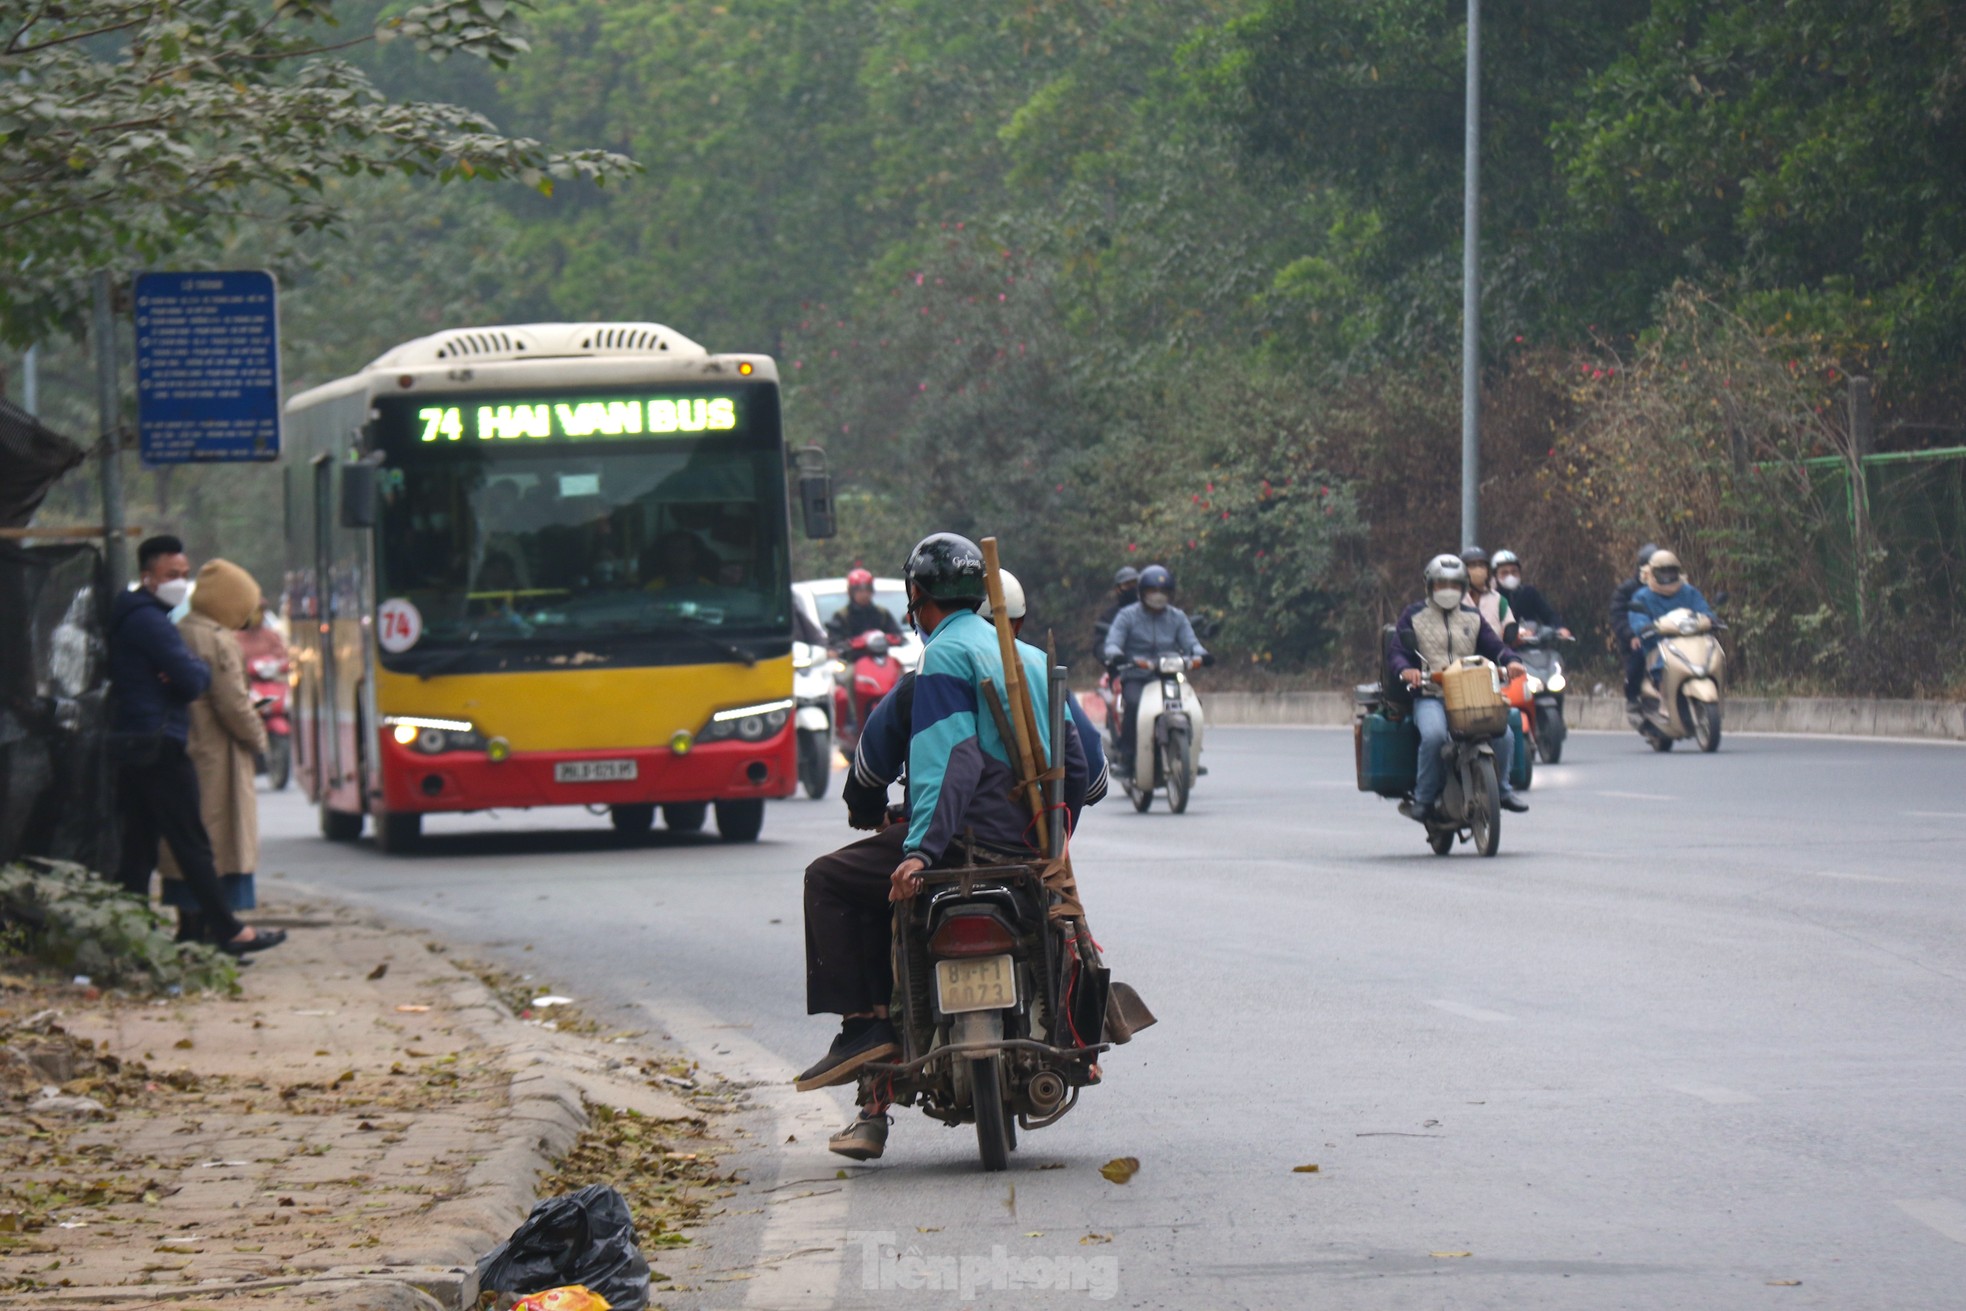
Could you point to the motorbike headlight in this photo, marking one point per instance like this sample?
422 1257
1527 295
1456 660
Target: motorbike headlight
434 736
747 723
803 662
1557 683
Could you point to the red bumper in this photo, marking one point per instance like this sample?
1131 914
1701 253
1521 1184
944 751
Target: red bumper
467 780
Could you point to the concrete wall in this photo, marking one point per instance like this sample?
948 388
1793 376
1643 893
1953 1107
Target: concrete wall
1937 720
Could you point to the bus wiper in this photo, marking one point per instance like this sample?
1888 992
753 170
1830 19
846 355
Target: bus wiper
452 659
697 629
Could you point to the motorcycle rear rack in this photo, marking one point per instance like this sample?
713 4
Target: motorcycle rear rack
974 1049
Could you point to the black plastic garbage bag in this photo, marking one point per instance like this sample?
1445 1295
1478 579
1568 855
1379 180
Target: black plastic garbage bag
586 1237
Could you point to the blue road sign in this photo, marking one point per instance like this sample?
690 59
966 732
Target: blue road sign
208 367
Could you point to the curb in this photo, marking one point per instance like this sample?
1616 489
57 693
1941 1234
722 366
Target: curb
1933 721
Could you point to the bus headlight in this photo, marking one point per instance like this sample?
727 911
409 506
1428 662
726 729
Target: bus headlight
434 736
747 723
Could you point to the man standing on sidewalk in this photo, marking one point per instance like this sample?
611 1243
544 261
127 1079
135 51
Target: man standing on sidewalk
154 679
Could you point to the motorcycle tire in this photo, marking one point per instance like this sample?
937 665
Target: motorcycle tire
740 821
1441 840
1706 725
1175 766
815 762
1549 740
1485 809
632 821
685 816
280 763
1142 797
992 1128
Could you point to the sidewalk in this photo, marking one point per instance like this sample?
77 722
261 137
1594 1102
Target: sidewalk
352 1131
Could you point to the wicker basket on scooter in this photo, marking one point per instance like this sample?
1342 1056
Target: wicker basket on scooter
1475 705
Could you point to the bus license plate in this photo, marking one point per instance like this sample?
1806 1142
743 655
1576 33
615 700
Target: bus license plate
975 985
594 771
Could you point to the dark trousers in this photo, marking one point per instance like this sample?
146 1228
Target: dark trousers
849 966
1634 672
160 800
1131 683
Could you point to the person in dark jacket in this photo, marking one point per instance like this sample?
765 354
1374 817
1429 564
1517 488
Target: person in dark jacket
1526 604
1622 640
155 678
861 613
1126 590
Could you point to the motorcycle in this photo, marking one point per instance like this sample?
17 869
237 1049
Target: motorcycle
1167 741
1386 740
271 693
812 691
1681 694
865 673
1543 688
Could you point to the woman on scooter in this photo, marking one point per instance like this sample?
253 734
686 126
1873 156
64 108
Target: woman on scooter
1433 634
1667 590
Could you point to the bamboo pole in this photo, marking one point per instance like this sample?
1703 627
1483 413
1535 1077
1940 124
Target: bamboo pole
1022 720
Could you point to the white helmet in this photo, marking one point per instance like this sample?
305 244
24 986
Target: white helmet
1013 598
1447 568
1663 573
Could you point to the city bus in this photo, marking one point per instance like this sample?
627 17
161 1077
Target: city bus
543 565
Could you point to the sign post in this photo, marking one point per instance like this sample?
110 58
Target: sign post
208 367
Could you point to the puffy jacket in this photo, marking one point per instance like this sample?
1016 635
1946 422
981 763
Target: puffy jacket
1138 631
1647 606
1405 653
153 675
960 774
1530 606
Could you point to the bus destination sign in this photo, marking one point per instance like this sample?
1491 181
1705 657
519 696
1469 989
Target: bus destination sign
575 419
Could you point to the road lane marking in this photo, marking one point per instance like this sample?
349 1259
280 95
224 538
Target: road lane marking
1468 1012
801 1246
1937 814
1940 1214
1635 796
1855 878
1719 1096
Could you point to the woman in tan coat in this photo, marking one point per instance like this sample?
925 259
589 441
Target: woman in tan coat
226 735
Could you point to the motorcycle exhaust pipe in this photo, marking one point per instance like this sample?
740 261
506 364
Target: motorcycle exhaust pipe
1045 1092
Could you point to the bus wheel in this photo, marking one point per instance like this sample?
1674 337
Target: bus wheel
398 833
632 821
739 821
685 816
339 825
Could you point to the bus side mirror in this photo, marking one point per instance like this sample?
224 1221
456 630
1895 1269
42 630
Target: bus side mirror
358 495
816 494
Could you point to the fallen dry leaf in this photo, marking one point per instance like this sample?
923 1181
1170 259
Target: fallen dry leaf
1052 1165
1304 1169
1121 1168
1035 1233
412 1010
1093 1240
1784 1283
1449 1255
379 971
928 1229
182 1044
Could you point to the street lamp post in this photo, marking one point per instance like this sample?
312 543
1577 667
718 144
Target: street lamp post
1471 292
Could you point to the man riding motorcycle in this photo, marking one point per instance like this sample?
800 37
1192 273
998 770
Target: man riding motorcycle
1526 604
1665 591
1141 634
1494 607
1622 640
860 614
1433 634
959 779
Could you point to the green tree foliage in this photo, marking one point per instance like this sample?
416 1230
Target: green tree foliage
133 129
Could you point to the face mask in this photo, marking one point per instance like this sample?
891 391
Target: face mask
173 592
1447 598
1155 600
1509 582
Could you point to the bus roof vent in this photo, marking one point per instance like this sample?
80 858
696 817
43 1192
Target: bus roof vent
536 341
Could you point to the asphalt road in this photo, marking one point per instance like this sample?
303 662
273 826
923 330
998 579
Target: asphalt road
1697 1033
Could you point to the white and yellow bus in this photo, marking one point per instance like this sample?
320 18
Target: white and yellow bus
542 565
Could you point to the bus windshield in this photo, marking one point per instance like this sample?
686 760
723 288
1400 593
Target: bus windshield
520 542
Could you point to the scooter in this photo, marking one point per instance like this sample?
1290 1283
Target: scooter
1544 687
866 673
1167 741
271 693
812 690
1681 695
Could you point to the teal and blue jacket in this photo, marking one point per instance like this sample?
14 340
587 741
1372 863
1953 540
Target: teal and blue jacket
959 767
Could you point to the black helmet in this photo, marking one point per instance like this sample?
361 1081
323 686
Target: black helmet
1155 578
1126 577
1474 555
1646 552
947 567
